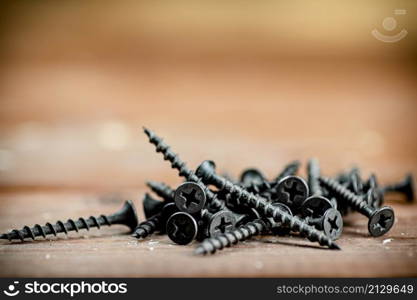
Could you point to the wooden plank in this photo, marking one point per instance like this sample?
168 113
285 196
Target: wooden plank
112 252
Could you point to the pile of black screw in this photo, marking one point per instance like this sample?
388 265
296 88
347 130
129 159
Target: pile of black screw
234 211
219 212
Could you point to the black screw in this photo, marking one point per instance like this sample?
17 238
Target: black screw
251 176
190 197
372 192
352 181
243 214
214 204
206 171
147 227
212 223
246 215
313 174
380 220
176 163
126 216
280 228
355 183
315 207
219 222
189 193
244 232
154 210
406 187
254 181
182 228
344 178
289 170
369 190
229 176
151 206
331 223
292 191
162 190
371 183
155 222
317 197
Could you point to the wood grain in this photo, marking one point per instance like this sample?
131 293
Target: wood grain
258 85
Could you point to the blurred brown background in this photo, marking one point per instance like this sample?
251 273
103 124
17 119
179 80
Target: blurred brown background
246 83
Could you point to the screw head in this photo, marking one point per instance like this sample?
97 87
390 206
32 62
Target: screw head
292 191
315 206
332 223
190 197
182 228
381 221
221 222
234 204
251 177
126 216
167 211
205 170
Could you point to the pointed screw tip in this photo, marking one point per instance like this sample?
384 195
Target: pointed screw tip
151 183
146 130
199 251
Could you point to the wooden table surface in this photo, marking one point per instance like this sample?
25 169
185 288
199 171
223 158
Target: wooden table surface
56 168
71 166
112 252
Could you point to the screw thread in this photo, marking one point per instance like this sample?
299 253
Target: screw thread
162 190
241 196
58 227
183 170
148 227
353 200
298 225
313 174
244 232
